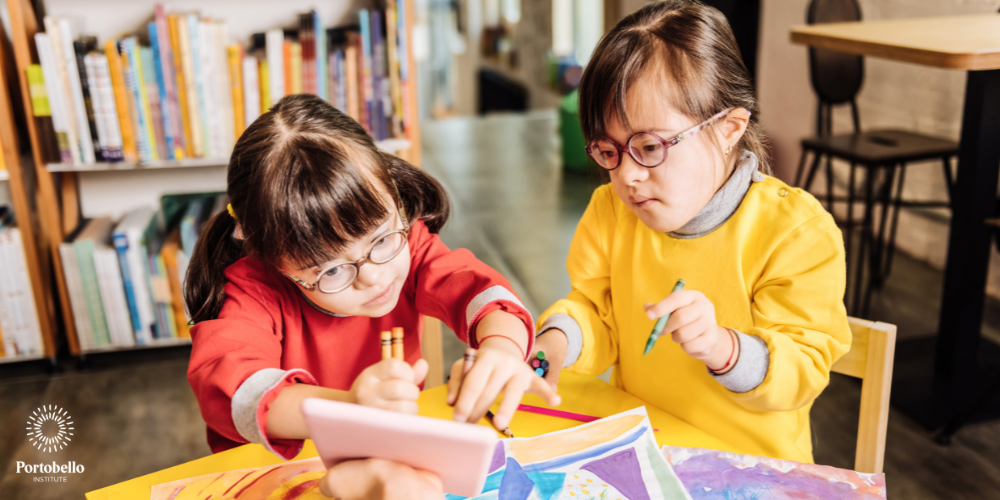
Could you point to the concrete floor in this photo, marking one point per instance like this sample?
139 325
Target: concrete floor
517 211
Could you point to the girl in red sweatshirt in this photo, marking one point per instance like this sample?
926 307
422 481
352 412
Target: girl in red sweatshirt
326 243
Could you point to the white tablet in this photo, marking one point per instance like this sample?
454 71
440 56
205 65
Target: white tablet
459 453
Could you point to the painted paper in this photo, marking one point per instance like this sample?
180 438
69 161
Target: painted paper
297 480
721 475
614 458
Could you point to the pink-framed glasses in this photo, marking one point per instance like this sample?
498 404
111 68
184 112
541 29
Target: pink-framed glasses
646 148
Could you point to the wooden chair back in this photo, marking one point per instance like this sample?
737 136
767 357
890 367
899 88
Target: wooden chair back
870 359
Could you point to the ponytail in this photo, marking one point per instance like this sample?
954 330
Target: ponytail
422 195
217 249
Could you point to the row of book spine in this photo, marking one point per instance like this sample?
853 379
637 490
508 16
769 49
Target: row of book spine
20 332
125 280
180 89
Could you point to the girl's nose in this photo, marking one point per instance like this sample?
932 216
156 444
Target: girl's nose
368 275
630 172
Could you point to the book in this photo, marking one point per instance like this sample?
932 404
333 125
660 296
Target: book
201 57
235 59
64 92
152 104
125 124
275 67
187 33
83 245
180 86
81 47
77 295
381 105
251 90
352 78
41 111
168 84
321 54
173 260
159 287
128 242
295 68
366 88
162 108
132 68
105 111
21 327
224 88
402 36
76 91
264 79
109 282
307 43
392 51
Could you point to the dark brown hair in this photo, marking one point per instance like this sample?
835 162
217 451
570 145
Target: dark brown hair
304 180
693 47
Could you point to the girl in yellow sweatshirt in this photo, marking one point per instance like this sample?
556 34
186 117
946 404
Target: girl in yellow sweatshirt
669 111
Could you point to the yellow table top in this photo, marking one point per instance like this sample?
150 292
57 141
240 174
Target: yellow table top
970 42
581 394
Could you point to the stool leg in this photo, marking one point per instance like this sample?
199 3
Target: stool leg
802 166
865 232
812 170
849 223
895 220
877 279
829 183
949 181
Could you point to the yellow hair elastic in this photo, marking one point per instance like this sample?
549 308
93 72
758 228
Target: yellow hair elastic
229 208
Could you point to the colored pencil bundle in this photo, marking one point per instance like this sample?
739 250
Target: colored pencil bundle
182 89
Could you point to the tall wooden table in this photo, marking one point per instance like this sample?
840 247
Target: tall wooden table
932 392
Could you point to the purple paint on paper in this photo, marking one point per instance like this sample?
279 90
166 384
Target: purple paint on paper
516 485
498 457
725 481
621 470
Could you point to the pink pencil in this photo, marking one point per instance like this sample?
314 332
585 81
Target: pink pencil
561 414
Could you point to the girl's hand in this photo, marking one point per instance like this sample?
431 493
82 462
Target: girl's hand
553 343
390 384
693 326
498 368
375 478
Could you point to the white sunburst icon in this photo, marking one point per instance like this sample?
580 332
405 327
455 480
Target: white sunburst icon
50 428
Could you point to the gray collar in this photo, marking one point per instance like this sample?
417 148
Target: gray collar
727 199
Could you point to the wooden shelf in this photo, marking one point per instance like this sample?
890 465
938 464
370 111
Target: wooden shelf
156 344
389 146
19 359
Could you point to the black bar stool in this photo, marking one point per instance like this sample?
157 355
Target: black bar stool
883 154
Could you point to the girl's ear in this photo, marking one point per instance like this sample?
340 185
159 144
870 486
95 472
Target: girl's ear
734 125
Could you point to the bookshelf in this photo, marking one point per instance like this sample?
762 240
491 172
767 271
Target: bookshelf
68 193
14 179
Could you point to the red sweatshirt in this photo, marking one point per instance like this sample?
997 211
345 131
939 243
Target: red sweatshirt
268 336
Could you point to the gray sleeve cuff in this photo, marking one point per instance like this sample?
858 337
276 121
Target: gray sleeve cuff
751 367
574 336
247 399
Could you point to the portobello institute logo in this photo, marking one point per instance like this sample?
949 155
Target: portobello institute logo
50 428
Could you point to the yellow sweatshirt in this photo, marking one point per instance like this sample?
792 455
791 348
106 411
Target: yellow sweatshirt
774 270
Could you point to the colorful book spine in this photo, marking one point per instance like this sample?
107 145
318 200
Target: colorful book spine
65 91
168 87
235 59
264 77
105 110
187 32
251 89
307 42
180 85
295 69
275 66
76 92
130 66
53 86
380 90
81 47
125 124
41 111
367 87
201 86
286 57
321 54
392 49
224 84
169 150
402 35
352 80
153 100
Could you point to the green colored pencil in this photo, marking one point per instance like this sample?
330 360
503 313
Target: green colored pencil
660 323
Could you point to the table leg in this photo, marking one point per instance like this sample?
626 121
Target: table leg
958 341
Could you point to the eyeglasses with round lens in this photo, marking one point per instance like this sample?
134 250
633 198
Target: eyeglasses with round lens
646 148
